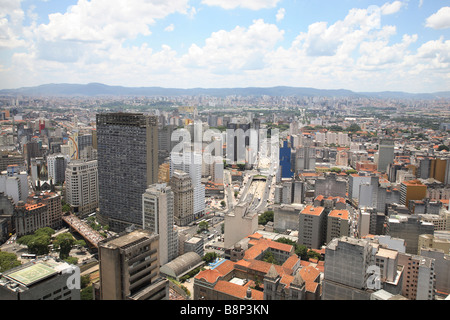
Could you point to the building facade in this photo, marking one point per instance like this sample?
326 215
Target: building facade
129 267
82 188
128 163
157 217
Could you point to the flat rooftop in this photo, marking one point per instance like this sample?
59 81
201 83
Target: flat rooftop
32 274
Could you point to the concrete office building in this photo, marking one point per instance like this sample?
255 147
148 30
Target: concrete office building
30 217
191 163
419 281
338 224
370 221
345 273
43 279
7 207
129 267
412 190
157 217
239 224
305 159
409 228
10 158
442 268
14 183
82 188
52 200
128 163
286 217
385 154
311 230
349 266
354 182
330 186
181 184
56 166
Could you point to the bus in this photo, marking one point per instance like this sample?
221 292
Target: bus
28 256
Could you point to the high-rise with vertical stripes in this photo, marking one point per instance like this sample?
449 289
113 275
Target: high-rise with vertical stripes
127 164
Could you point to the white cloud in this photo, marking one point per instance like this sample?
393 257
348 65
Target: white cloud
246 4
391 8
11 18
235 50
439 20
106 20
86 44
280 14
169 28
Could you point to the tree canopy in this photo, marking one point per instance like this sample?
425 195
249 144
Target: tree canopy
8 261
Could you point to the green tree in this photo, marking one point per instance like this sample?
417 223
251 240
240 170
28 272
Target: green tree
38 242
265 217
269 257
47 231
210 257
354 128
86 293
203 225
301 251
64 243
443 147
71 260
313 255
8 261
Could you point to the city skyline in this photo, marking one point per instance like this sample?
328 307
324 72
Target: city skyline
354 45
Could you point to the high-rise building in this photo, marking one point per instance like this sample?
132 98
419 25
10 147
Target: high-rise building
356 268
191 163
56 166
338 224
128 163
305 159
181 184
420 282
311 230
129 267
412 190
14 183
157 215
82 186
409 228
385 154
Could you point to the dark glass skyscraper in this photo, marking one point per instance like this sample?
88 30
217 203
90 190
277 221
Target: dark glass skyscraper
127 165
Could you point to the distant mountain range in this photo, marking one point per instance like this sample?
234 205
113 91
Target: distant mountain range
98 89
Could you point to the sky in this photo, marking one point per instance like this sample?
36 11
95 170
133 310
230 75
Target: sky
359 45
